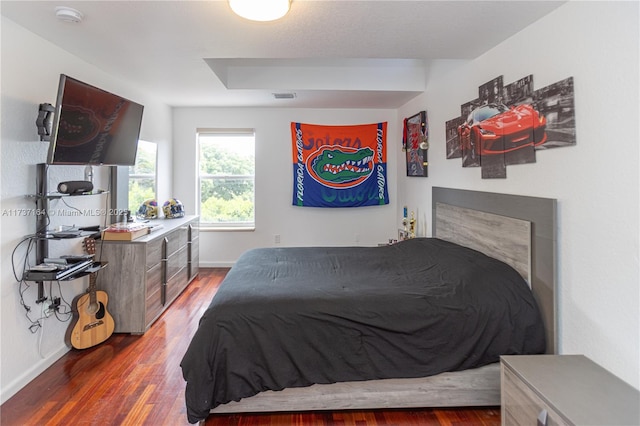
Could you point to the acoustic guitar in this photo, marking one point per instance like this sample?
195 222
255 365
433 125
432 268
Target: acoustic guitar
92 324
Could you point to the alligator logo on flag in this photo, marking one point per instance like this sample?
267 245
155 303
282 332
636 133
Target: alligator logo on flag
339 166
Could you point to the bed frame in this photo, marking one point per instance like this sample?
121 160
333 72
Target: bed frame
518 230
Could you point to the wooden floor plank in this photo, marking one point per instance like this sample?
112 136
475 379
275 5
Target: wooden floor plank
137 380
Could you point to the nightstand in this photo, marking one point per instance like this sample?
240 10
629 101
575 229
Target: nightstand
564 390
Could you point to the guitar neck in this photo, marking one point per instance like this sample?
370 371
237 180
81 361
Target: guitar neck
92 287
90 248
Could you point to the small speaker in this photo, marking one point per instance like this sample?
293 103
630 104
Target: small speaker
75 187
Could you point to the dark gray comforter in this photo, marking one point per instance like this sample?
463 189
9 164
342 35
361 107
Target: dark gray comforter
290 317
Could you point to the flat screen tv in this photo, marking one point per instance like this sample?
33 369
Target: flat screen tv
93 127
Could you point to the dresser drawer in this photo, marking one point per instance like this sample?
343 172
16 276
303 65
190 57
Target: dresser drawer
175 262
176 284
521 406
194 263
194 249
154 294
194 231
176 240
570 389
154 252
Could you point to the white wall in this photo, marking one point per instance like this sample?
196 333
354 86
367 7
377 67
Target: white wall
275 214
595 182
30 71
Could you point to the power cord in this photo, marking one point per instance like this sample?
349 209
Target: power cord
24 285
35 324
62 311
25 263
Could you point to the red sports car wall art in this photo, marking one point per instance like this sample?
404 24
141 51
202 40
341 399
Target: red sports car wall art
497 129
507 124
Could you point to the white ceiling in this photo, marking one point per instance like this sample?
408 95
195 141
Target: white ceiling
330 53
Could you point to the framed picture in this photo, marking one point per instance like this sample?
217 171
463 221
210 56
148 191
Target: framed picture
417 144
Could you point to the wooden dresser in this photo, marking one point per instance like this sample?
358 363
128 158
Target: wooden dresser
145 275
564 390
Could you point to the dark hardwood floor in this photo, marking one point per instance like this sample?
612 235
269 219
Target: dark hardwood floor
136 380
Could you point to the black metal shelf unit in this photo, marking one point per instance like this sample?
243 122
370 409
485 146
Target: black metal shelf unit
42 198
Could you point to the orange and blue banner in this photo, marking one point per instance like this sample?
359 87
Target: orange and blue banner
339 166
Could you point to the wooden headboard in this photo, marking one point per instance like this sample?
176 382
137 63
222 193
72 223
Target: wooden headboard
500 237
519 230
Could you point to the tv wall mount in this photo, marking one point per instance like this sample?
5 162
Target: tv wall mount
44 122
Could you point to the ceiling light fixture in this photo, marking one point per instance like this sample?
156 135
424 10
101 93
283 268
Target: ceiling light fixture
68 14
260 10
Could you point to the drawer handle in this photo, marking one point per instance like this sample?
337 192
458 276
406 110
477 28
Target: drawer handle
163 288
165 251
542 417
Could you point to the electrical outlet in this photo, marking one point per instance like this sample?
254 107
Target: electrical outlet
276 238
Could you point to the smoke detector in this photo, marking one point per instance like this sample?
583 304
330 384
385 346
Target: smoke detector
68 14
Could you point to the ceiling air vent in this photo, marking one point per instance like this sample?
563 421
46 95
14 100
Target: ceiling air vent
284 95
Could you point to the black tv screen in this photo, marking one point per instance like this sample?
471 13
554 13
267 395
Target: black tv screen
93 126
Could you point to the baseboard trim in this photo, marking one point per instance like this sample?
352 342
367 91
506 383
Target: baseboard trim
14 387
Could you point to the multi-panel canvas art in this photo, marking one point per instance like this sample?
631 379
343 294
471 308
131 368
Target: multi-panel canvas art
506 125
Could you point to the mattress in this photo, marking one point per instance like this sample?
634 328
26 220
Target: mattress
292 317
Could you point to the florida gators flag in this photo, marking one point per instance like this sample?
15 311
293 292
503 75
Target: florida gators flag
339 166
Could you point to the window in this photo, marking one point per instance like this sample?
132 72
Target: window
227 178
142 176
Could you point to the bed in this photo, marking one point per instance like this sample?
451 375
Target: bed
419 323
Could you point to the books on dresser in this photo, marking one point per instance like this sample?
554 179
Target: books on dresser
124 232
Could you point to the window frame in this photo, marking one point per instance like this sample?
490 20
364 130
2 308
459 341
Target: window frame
224 226
141 176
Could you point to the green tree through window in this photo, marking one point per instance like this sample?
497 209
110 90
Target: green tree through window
227 178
